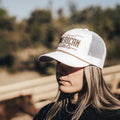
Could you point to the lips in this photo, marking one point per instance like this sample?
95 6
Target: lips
63 82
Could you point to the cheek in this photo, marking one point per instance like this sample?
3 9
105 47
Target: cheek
72 87
77 85
77 82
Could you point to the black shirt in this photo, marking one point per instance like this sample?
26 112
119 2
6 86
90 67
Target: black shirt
90 113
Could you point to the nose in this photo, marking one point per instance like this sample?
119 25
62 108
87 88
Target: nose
64 78
61 73
61 78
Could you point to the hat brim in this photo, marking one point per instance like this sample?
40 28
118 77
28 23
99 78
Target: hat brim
64 58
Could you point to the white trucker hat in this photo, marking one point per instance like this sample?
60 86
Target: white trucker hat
79 48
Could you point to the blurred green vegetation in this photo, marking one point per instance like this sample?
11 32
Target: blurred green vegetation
41 30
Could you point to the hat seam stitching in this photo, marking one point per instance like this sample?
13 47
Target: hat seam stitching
73 56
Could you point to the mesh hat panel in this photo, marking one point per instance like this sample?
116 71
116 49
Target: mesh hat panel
96 47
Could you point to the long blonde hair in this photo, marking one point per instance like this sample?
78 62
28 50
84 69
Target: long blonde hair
95 92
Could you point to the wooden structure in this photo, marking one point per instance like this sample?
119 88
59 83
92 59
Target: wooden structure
44 89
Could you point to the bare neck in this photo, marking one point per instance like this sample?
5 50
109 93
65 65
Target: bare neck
74 98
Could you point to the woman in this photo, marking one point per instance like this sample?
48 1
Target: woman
83 93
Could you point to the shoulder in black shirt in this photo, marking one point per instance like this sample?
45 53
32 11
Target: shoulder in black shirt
90 113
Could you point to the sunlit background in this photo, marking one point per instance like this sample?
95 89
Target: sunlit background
29 28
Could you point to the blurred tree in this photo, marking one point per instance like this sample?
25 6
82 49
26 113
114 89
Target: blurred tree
84 16
7 44
60 12
43 68
37 25
117 20
39 17
107 22
8 60
72 6
41 30
6 22
61 18
49 36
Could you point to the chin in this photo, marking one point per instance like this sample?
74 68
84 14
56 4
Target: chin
65 89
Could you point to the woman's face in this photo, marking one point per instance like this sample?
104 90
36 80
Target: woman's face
70 79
